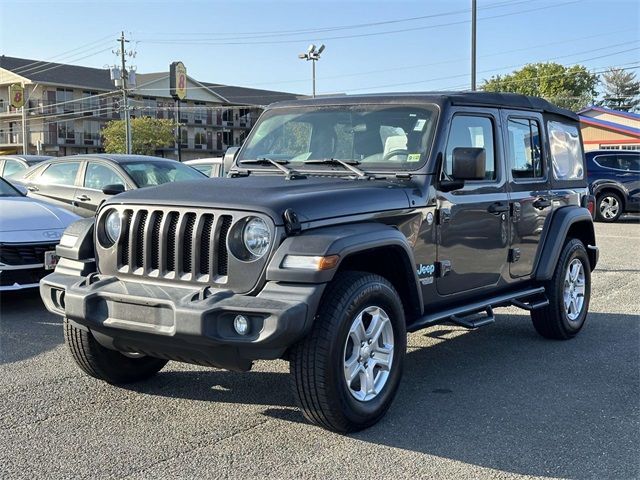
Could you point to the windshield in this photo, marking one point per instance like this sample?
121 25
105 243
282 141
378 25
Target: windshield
380 136
7 190
150 173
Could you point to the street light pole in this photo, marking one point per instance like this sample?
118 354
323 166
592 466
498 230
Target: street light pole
473 45
313 55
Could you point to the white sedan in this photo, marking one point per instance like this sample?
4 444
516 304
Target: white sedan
29 233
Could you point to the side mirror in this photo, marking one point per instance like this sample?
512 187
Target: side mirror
113 189
229 158
469 163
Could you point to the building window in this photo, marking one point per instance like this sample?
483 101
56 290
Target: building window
91 133
90 103
148 108
64 100
200 140
200 113
66 133
184 138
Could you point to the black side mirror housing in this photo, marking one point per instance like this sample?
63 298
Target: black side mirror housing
113 189
229 159
469 163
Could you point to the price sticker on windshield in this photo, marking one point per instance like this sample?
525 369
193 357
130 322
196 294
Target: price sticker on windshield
413 157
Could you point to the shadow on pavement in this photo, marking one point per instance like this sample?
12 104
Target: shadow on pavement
27 329
501 397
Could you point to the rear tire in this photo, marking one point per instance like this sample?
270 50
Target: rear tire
568 297
106 364
609 207
359 332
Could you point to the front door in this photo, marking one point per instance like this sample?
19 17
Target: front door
473 222
56 184
89 195
529 186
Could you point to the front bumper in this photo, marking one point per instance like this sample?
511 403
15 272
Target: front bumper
189 324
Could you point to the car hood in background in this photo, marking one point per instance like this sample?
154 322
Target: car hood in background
312 198
23 219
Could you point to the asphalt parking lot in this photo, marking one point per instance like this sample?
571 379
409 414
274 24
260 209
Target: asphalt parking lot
500 402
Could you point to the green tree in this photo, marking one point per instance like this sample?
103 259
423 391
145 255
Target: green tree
147 135
569 87
621 90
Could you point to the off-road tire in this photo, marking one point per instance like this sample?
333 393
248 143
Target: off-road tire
106 364
599 201
552 321
317 361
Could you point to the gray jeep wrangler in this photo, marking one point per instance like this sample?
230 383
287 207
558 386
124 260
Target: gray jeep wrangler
344 223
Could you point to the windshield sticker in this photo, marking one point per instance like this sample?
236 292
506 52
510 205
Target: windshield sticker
413 157
419 125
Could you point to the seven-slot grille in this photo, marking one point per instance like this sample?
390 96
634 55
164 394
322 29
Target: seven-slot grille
174 245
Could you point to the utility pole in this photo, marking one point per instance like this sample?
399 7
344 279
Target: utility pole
25 142
473 45
125 100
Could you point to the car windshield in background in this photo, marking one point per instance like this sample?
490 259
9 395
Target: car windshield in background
378 136
6 190
150 173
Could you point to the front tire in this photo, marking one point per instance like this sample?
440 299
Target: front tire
346 371
609 207
106 364
569 291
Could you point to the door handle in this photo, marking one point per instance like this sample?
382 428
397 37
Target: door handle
83 198
542 203
31 188
498 207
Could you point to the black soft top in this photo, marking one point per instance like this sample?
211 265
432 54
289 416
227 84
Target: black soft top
475 99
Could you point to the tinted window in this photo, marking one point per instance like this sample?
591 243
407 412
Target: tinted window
60 174
566 151
468 131
12 167
98 176
609 161
629 162
7 190
525 152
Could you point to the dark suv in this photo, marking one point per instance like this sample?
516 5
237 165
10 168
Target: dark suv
346 223
614 179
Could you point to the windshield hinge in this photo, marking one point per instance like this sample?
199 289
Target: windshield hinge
403 175
291 223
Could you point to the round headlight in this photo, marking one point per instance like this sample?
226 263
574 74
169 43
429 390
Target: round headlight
113 226
256 237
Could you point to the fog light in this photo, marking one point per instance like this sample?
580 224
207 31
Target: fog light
241 324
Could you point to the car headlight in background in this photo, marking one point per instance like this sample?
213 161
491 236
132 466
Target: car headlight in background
113 226
256 237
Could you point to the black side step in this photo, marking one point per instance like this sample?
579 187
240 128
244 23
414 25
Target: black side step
467 315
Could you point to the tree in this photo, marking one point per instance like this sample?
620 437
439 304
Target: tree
147 135
621 90
569 87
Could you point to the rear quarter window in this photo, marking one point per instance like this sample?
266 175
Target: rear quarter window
566 151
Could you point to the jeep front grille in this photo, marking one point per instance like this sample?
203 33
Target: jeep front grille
175 245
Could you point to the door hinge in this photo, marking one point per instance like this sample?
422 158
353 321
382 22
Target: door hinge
514 255
443 267
444 215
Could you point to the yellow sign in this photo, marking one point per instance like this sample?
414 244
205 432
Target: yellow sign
178 81
16 95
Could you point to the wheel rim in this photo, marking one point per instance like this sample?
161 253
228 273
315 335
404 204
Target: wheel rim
574 289
368 353
609 207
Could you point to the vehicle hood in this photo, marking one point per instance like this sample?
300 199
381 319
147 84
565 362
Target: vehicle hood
23 219
312 198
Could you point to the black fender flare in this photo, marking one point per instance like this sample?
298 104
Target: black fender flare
599 185
562 222
343 240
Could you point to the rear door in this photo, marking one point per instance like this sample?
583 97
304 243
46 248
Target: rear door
529 187
629 176
56 183
95 177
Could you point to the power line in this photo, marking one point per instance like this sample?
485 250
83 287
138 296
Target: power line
341 37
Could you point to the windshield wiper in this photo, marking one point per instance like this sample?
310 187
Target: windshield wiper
279 164
347 165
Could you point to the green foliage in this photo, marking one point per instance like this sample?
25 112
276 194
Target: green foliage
147 134
569 87
621 90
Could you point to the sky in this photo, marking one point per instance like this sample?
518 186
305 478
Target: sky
371 46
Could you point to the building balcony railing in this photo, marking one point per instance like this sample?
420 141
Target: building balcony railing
10 138
53 138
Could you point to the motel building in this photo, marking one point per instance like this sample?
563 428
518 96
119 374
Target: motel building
606 129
